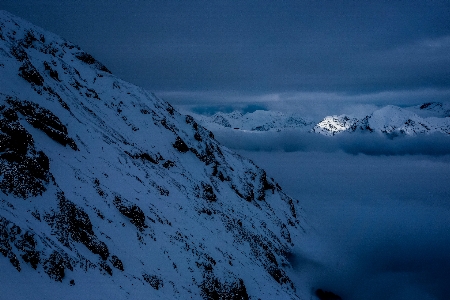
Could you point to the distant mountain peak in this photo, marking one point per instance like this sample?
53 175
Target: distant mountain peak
332 125
259 120
389 119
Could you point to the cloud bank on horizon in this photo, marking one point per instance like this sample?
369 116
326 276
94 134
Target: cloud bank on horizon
353 143
269 52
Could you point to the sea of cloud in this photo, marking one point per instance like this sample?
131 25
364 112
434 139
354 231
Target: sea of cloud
378 210
365 143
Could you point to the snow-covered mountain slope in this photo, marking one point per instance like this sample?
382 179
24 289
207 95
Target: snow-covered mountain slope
432 109
395 120
259 120
108 192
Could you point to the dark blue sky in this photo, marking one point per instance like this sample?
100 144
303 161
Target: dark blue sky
262 51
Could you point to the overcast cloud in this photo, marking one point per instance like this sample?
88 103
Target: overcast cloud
372 144
260 48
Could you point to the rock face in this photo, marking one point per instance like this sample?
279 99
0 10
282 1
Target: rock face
107 189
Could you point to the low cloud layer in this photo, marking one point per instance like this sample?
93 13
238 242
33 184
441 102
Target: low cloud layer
354 143
378 225
377 209
315 105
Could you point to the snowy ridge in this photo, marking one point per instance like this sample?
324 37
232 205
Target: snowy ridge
391 120
107 190
395 120
432 109
259 120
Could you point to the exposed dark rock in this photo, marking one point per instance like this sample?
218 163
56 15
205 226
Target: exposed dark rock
280 276
250 195
208 192
116 262
29 39
71 221
54 94
154 281
54 266
25 171
285 233
28 72
131 211
425 105
27 244
144 156
100 192
170 109
265 183
197 136
207 155
15 138
191 120
19 53
105 267
53 73
91 93
14 261
180 145
213 289
292 207
325 295
90 60
10 115
43 119
206 211
9 232
168 164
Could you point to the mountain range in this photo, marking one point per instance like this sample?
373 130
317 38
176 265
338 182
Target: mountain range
108 192
390 120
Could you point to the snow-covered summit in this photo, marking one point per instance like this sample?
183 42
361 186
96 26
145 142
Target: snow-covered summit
108 192
332 125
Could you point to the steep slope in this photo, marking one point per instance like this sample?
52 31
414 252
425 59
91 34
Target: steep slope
107 191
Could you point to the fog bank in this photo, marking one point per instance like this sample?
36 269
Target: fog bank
379 223
436 144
